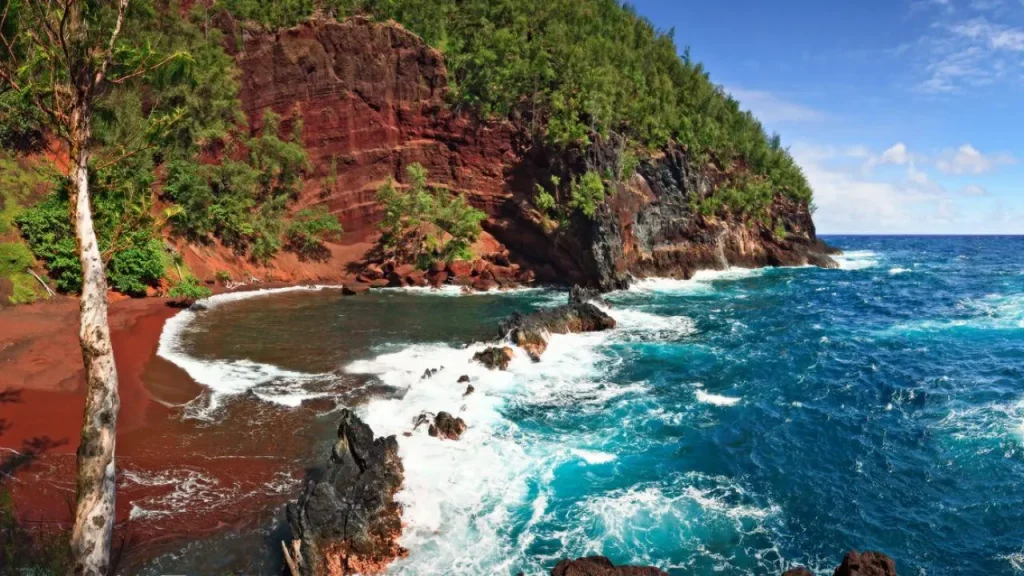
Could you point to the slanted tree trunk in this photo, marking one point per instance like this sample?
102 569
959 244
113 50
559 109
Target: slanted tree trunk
94 512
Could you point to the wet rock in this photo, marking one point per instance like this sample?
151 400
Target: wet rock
801 571
346 519
437 279
601 566
430 372
495 357
355 288
382 283
531 332
463 378
447 426
866 564
469 390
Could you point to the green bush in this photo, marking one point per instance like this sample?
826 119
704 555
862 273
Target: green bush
132 270
189 290
543 200
308 230
587 194
14 257
453 225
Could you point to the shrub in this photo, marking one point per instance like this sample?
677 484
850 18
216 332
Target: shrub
189 290
132 270
223 276
543 200
453 225
587 194
308 230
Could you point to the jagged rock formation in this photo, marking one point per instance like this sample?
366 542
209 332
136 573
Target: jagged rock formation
346 521
531 332
447 426
601 566
494 357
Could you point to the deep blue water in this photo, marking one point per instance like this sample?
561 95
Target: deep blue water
739 423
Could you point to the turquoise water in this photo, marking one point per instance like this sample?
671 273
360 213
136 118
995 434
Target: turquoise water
738 423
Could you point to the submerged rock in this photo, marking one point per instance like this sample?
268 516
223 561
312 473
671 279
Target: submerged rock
531 332
447 426
495 358
346 520
601 566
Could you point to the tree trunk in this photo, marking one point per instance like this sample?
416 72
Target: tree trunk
94 512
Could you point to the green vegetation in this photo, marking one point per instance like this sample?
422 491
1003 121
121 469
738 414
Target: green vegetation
427 224
308 230
171 120
579 71
28 551
587 194
189 290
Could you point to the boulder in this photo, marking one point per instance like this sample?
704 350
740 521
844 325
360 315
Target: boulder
372 272
382 283
463 378
469 390
416 278
866 564
482 284
355 288
479 266
531 332
801 571
438 266
601 566
346 520
460 269
437 279
447 426
494 357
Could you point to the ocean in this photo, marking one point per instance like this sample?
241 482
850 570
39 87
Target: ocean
742 422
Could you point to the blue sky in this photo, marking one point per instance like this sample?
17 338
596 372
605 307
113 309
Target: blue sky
906 115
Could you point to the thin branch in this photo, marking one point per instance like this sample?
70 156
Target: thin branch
140 71
109 54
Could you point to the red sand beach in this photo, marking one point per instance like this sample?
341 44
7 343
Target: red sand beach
176 477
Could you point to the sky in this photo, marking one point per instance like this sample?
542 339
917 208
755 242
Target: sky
907 116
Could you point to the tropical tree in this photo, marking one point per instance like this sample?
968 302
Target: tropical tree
62 56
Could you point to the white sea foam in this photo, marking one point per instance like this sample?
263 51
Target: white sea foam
992 312
857 260
896 271
716 399
453 290
460 497
633 324
231 377
594 456
702 281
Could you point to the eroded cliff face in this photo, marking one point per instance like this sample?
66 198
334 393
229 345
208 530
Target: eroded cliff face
372 98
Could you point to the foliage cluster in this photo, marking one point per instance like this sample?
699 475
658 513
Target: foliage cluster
168 119
575 69
189 290
308 230
432 223
26 551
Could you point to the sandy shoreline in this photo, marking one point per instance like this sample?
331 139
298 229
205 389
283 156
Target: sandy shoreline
176 478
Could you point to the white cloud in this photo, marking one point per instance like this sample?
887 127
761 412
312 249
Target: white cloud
995 36
969 160
770 108
852 200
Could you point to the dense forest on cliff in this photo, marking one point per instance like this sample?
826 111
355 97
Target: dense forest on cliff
178 154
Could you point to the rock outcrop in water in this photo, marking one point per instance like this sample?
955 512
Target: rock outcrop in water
347 521
601 566
494 357
857 564
447 426
532 331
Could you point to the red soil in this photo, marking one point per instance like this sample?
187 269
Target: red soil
181 478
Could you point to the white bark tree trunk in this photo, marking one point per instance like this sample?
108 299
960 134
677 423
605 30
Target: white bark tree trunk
94 512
